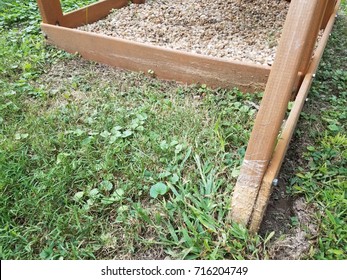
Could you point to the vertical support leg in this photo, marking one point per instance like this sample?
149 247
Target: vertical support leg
51 11
311 42
310 45
296 33
328 12
288 130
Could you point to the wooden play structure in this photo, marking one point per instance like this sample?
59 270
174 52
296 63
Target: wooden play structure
289 78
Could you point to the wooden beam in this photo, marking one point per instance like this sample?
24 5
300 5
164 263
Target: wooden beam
51 11
284 140
165 63
312 40
91 13
328 12
296 33
309 46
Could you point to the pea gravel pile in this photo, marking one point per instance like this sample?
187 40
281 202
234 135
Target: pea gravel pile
246 30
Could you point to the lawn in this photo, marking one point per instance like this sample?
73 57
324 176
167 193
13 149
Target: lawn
101 163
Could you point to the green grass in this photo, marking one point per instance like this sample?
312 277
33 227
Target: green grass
323 176
100 163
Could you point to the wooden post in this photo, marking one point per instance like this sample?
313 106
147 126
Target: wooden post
91 13
328 12
288 130
296 33
311 42
310 45
51 11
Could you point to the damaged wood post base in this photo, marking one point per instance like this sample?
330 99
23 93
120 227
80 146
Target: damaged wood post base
296 35
291 70
287 133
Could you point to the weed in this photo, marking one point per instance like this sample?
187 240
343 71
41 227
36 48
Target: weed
323 178
101 163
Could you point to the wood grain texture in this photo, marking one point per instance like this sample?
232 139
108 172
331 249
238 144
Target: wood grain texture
51 11
293 56
312 40
91 13
167 64
286 136
329 10
296 33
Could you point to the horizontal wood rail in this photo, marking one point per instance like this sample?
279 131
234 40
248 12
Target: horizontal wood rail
291 72
166 64
91 13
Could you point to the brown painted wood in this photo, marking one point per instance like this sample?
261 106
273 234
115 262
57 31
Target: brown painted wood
51 11
296 33
312 40
309 47
284 140
91 13
328 12
190 68
165 63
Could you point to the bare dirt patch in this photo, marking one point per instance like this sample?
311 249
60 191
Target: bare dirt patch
290 241
290 217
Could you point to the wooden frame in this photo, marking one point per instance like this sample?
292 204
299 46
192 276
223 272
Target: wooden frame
290 74
263 157
165 63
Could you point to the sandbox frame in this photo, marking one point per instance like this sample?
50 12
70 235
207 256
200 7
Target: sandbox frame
289 77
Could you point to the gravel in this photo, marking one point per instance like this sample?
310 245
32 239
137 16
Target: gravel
246 30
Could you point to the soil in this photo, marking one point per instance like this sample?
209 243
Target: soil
279 211
289 217
289 241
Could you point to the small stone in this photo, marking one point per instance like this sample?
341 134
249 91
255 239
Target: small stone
219 28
